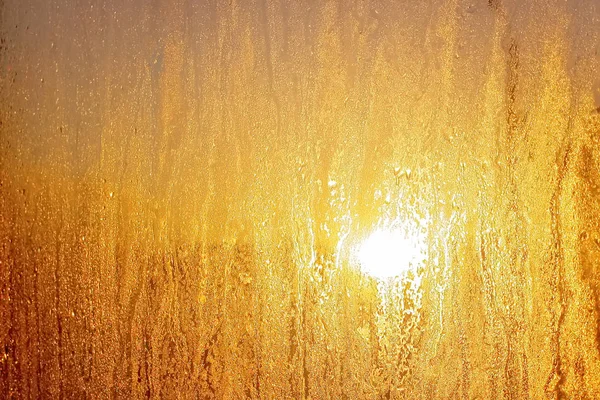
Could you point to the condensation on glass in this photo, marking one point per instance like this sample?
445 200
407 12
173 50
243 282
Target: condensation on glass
184 185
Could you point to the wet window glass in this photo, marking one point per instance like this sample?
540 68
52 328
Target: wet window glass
297 199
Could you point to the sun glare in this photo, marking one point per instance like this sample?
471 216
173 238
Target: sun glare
388 253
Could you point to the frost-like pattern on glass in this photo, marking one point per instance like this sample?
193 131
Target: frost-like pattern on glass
188 187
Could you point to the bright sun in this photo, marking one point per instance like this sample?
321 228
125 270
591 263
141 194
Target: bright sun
389 253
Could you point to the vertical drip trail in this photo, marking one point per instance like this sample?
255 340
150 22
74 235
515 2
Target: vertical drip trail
589 240
516 136
556 378
57 307
264 5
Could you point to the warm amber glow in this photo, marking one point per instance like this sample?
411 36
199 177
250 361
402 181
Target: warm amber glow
387 253
287 199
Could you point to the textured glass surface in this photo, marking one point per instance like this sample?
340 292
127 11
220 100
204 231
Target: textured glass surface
207 199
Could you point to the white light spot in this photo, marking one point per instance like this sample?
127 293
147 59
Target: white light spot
388 253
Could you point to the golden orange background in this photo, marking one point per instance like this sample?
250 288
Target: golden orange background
183 185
